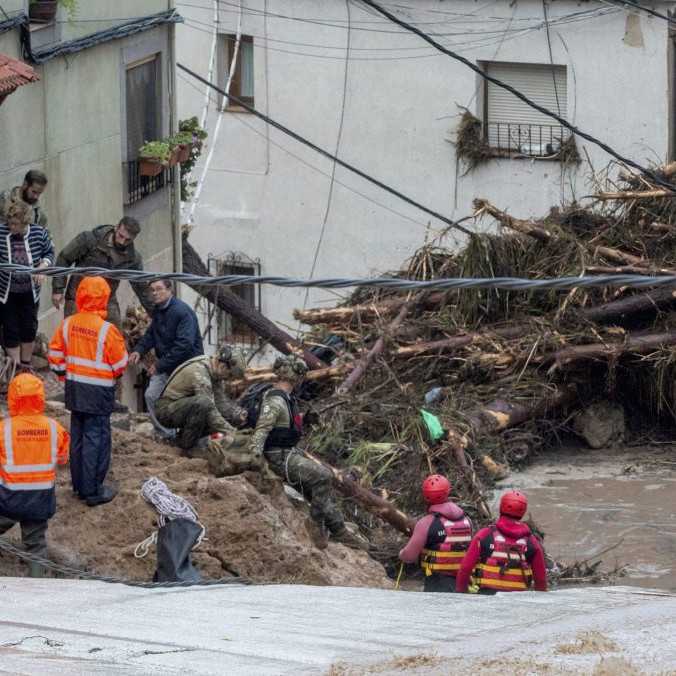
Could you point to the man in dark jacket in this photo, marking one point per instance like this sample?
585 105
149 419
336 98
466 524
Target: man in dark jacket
106 246
174 334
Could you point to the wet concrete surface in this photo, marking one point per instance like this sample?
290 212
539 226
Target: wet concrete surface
589 501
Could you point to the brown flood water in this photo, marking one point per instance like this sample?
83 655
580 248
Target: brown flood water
587 501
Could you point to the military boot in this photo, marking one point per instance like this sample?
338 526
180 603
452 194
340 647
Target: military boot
317 533
35 569
351 537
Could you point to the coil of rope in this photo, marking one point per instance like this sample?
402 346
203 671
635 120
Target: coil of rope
169 506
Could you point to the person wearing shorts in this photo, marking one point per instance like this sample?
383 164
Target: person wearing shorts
22 243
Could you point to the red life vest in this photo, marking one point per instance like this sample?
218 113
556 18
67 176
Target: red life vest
505 562
447 542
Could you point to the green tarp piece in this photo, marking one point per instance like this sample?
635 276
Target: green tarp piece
433 424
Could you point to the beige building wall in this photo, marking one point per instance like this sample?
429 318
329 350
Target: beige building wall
72 125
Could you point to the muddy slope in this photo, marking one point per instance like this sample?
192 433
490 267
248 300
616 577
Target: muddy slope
253 528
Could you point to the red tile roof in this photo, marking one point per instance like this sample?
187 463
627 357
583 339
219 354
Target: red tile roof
14 74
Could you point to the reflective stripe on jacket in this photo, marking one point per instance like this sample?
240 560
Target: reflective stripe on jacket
505 563
31 445
88 351
447 542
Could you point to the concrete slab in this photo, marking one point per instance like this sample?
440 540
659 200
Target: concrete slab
75 627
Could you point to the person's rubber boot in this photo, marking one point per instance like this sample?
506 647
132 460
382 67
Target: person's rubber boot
35 569
317 533
106 494
351 538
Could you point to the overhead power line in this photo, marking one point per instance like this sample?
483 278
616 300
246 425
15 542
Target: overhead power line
503 85
395 283
326 153
636 5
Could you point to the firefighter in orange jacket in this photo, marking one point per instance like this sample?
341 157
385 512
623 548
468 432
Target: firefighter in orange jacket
31 445
90 354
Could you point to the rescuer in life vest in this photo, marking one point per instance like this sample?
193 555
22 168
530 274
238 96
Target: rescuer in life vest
441 538
89 352
31 445
506 556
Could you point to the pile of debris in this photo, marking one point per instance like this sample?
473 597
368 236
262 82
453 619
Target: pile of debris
504 371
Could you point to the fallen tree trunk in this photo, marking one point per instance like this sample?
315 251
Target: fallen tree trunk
641 344
456 342
232 304
627 270
493 419
532 230
358 371
634 195
345 315
382 508
618 311
267 375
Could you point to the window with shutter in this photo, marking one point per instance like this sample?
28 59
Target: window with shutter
242 85
512 126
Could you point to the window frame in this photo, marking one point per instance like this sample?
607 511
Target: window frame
514 151
228 50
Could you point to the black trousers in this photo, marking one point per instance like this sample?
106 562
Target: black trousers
90 446
439 583
33 534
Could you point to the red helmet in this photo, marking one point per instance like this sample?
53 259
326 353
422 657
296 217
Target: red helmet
513 504
435 489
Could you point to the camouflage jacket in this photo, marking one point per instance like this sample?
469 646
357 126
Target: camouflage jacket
39 214
195 377
274 413
95 248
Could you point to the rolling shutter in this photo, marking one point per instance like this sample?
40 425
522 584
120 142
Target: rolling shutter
514 125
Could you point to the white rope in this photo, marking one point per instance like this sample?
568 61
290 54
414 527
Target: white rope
169 506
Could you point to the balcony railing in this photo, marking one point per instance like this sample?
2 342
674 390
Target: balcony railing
531 140
139 186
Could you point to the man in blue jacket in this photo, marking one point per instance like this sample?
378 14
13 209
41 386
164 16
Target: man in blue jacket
175 335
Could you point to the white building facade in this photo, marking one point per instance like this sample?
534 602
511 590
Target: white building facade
383 100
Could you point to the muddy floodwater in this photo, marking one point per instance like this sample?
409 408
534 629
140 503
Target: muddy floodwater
588 501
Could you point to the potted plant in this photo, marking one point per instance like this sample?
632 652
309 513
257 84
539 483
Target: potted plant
153 157
183 142
192 127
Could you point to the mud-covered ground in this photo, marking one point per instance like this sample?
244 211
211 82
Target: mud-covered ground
253 529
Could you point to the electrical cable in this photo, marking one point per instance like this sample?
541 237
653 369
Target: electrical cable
339 137
645 9
240 119
214 138
396 283
326 153
551 57
503 85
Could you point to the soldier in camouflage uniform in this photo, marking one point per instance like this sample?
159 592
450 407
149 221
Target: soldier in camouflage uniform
277 431
194 399
34 184
106 246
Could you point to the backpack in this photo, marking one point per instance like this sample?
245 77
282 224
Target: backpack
283 437
251 402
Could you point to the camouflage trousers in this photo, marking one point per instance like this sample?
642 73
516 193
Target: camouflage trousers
312 480
194 417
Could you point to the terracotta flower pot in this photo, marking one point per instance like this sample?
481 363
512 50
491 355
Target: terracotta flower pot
173 158
42 11
184 152
149 167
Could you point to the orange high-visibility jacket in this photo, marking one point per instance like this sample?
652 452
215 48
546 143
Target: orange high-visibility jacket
31 445
88 351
